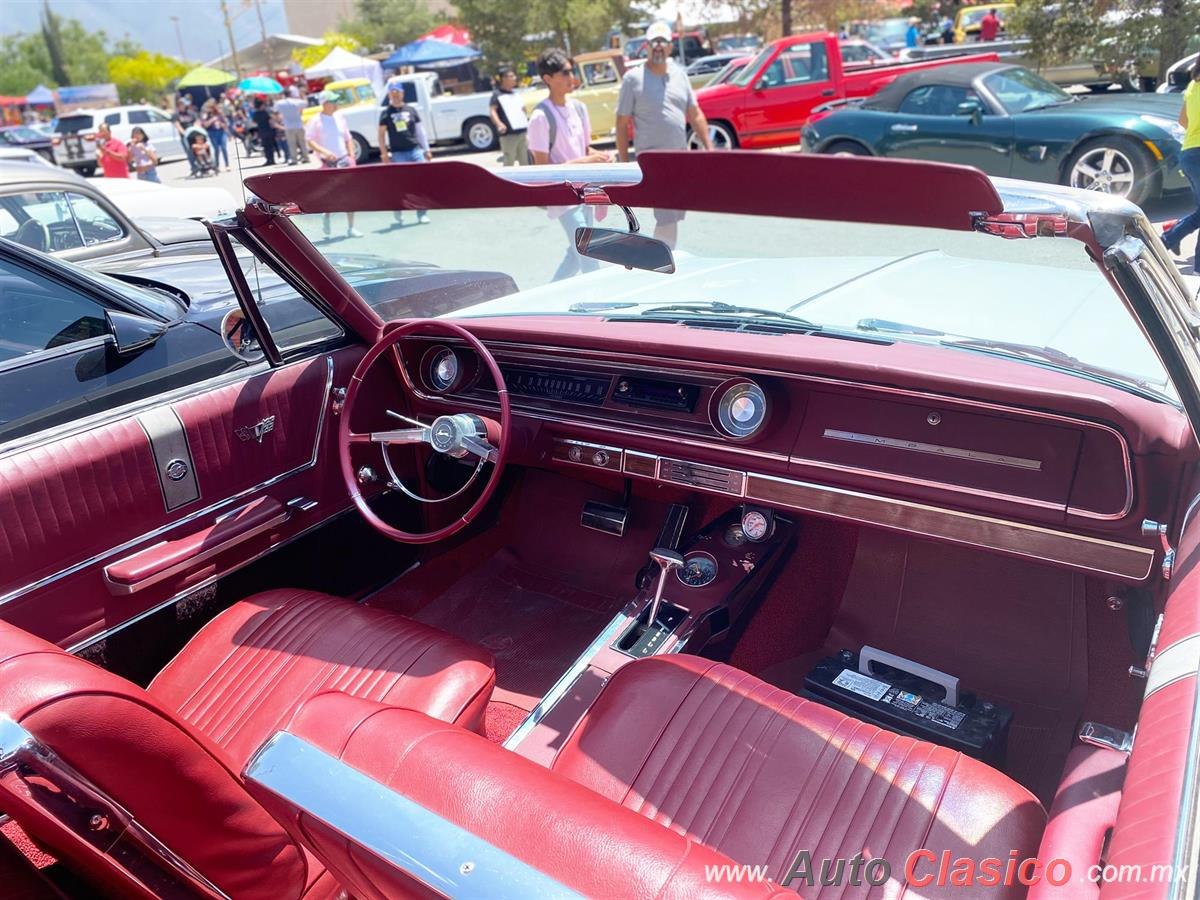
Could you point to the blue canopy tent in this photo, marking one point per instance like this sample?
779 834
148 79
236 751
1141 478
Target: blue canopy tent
429 50
40 96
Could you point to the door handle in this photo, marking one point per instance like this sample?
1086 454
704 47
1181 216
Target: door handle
903 127
828 92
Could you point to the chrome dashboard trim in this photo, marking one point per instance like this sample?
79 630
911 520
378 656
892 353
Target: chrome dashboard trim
875 440
444 857
74 568
664 366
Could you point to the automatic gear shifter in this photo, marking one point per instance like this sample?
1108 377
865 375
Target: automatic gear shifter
667 560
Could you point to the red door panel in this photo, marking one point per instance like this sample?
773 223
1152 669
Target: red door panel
102 499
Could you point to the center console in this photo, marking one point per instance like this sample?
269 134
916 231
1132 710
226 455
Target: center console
690 596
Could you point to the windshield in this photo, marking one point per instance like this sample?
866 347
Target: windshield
742 78
21 133
875 282
731 69
1019 90
888 29
74 124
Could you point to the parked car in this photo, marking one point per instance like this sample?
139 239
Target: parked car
143 327
446 118
968 18
25 138
32 157
139 199
834 533
1088 72
1178 75
1008 121
352 93
702 70
888 34
738 43
57 212
766 103
74 141
685 48
856 51
601 73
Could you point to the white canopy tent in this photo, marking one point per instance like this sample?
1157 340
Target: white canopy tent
341 64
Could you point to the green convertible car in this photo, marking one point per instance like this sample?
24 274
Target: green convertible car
1009 122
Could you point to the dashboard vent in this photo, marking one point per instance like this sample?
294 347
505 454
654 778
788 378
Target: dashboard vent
712 478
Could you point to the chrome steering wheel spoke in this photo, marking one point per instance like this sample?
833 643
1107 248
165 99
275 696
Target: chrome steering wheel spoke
401 436
480 447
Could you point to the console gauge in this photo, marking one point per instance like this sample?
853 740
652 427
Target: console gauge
734 536
698 569
757 525
441 369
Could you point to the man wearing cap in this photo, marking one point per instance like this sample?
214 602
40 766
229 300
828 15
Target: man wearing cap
658 100
289 110
329 137
401 137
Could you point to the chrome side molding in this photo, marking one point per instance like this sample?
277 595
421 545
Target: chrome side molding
431 850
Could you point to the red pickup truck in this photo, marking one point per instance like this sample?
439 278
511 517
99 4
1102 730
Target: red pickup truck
765 104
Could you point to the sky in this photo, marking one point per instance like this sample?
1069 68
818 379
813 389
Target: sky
149 23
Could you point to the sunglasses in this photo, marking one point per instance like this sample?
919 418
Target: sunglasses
659 42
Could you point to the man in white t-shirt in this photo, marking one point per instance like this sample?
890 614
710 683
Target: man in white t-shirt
565 139
329 138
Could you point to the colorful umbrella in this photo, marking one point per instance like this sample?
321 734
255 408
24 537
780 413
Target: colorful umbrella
260 84
429 51
205 77
451 34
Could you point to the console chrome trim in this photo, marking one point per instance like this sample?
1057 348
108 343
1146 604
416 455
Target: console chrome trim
568 678
130 544
444 857
676 368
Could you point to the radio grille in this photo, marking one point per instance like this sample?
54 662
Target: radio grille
711 477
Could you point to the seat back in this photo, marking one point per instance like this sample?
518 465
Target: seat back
100 752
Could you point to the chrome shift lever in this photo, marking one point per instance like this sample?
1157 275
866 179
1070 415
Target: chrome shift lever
667 560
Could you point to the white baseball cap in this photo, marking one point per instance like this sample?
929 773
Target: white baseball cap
658 30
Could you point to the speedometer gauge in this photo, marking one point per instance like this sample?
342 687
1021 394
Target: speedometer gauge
757 525
698 569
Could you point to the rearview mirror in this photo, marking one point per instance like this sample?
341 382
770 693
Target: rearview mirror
132 332
972 109
625 248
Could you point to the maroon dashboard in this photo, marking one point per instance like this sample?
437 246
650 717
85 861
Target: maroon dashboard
995 454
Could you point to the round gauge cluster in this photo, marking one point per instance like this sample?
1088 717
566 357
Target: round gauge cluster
741 409
757 524
441 369
698 569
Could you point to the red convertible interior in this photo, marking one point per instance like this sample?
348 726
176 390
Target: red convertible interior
685 603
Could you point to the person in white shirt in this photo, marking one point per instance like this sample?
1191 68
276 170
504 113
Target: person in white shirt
508 115
329 138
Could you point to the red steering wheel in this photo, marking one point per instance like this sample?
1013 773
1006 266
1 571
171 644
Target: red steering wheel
458 435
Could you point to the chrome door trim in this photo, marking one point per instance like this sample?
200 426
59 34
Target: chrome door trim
444 857
17 593
80 646
664 366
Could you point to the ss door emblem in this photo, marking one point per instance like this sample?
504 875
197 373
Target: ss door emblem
257 431
176 470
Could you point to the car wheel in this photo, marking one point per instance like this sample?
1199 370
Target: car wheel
1113 165
846 148
480 134
87 171
720 135
362 150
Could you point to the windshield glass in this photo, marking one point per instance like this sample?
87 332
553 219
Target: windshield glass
887 282
21 133
1019 90
742 78
888 29
75 124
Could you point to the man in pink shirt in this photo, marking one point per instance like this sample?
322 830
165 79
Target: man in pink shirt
112 154
561 132
989 26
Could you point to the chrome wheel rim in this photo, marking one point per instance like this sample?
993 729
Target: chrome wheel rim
1106 170
479 136
720 138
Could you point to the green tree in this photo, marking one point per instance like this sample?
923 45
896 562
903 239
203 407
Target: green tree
87 52
331 40
514 30
396 22
144 74
52 36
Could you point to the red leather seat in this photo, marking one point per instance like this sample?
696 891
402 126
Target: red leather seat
172 755
759 775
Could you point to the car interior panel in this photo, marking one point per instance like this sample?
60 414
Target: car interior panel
614 597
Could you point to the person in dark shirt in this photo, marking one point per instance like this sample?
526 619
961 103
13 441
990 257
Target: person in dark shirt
402 138
265 127
508 116
185 118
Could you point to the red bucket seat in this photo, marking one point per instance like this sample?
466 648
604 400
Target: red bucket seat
171 755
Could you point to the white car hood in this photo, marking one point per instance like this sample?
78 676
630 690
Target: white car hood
138 199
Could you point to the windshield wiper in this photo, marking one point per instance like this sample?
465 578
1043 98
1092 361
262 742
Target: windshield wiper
1059 359
601 305
1048 105
731 309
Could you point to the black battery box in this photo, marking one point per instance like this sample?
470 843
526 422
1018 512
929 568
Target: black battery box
907 704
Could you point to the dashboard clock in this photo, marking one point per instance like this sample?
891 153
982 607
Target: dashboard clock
741 408
757 524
